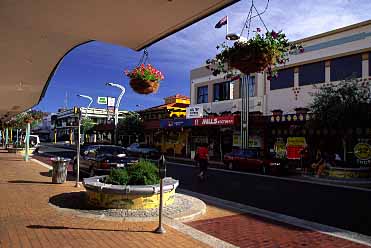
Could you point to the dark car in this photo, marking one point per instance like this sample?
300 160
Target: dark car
99 159
254 160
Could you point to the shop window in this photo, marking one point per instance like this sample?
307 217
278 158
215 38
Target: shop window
346 67
202 94
222 91
252 86
284 80
312 73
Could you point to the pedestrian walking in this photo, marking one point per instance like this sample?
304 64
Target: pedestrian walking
202 157
305 159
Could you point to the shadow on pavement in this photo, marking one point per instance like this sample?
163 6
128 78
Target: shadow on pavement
81 228
71 200
28 182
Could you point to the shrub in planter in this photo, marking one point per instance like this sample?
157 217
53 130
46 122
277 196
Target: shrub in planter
142 173
118 176
145 79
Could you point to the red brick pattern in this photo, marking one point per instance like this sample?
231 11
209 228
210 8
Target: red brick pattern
27 220
245 230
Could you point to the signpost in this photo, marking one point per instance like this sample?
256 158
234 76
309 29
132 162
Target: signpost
102 100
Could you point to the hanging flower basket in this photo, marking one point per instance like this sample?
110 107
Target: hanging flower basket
145 79
144 86
260 53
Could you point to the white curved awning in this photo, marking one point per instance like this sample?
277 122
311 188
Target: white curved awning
36 35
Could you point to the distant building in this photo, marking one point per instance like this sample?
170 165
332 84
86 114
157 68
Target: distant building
65 122
167 140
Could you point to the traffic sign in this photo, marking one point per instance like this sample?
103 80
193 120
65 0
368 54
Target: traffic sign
102 100
111 101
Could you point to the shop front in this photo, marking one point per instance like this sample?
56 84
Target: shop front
287 134
174 136
215 131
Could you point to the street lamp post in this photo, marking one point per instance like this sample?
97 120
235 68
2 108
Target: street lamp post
245 95
245 112
79 139
122 88
87 108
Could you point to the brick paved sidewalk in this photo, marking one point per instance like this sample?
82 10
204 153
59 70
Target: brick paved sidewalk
26 219
246 230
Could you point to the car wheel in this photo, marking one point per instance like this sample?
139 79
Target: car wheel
230 165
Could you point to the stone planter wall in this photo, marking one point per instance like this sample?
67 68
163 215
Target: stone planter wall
14 150
107 196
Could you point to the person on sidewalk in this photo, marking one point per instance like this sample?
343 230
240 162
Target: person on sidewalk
202 157
320 164
305 159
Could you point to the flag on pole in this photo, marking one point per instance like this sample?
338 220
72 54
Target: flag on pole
222 22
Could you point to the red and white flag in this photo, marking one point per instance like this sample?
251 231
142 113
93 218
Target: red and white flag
222 22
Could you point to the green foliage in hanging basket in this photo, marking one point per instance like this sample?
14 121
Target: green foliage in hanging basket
261 52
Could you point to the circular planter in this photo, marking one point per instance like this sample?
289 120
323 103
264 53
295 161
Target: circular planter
14 150
144 86
107 196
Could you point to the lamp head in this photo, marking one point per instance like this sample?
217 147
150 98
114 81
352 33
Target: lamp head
232 36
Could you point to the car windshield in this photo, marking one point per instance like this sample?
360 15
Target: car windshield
111 150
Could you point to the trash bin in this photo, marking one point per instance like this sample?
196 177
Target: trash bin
59 169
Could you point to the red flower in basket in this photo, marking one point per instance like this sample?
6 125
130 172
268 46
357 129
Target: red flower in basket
144 79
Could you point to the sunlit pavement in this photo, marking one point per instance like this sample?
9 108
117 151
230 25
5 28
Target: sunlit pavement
27 220
247 230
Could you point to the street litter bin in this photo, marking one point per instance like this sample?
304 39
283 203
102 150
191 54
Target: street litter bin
59 169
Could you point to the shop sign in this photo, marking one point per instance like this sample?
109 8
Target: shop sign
280 149
296 141
194 112
215 121
294 146
175 123
362 151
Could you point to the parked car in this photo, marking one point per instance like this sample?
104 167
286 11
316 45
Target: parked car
100 159
254 160
142 150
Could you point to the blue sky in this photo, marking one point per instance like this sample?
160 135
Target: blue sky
87 68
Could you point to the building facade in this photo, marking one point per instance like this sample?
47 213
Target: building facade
65 123
330 57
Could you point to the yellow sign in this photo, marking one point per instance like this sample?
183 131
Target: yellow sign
280 149
362 151
296 141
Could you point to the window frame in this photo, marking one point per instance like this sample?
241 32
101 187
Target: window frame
204 96
226 87
335 75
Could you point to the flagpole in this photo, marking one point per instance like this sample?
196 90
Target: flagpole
226 28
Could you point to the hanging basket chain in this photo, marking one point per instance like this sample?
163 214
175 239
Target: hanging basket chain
144 57
249 17
261 19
